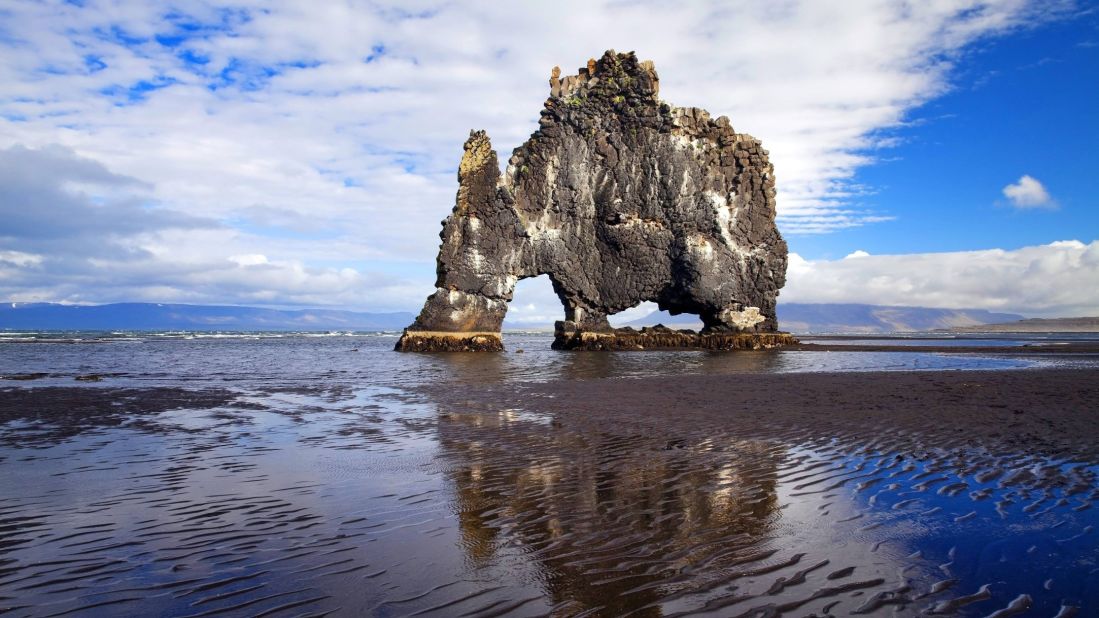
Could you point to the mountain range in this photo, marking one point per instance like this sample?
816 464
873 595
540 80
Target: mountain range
854 318
793 317
156 316
1036 325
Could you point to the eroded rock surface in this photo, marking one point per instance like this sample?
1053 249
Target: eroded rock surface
568 337
620 199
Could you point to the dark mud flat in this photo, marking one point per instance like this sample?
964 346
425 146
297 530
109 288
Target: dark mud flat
876 493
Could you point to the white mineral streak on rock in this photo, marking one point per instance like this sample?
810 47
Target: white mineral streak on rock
745 319
477 261
701 247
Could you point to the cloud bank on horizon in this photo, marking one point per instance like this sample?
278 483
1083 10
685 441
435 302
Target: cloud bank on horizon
1038 281
302 154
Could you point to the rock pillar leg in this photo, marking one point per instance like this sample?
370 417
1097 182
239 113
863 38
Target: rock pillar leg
455 321
476 264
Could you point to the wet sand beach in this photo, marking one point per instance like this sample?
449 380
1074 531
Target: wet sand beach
458 485
953 346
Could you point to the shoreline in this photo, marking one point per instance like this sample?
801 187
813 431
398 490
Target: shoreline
1036 349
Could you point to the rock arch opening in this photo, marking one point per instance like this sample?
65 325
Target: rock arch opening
648 314
534 305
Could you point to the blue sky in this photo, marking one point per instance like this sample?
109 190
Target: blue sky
302 154
1021 104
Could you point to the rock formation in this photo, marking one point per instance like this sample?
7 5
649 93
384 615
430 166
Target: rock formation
620 199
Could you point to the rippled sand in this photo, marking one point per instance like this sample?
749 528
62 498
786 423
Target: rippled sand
954 493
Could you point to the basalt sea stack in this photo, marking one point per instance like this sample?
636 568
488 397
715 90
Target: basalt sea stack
619 198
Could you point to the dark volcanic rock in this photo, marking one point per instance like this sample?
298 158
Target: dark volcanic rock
567 336
620 199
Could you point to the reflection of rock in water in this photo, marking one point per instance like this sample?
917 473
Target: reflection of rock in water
544 364
616 522
700 495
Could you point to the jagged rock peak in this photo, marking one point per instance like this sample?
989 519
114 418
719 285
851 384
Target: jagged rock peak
613 75
620 198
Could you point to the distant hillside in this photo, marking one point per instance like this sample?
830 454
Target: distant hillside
854 318
1036 325
153 316
793 317
685 320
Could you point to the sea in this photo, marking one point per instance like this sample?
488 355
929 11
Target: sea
249 359
313 474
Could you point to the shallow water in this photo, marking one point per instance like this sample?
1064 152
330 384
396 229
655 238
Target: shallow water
294 476
258 361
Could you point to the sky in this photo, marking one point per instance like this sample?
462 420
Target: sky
300 154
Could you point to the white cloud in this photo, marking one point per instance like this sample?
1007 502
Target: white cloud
76 232
20 259
252 259
1028 193
325 136
1058 279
